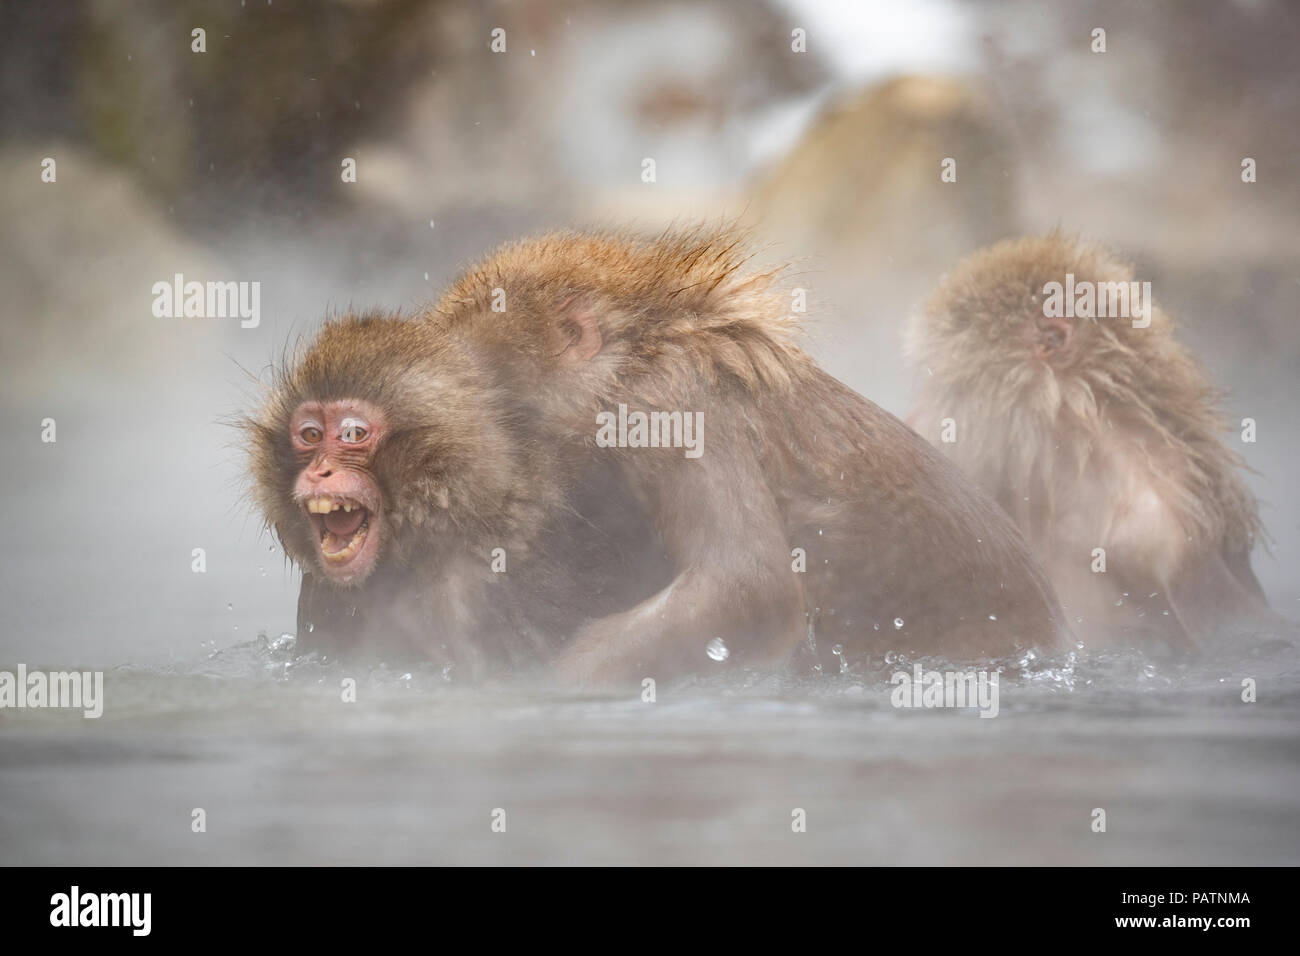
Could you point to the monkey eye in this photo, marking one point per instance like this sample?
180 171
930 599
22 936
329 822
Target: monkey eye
311 434
354 431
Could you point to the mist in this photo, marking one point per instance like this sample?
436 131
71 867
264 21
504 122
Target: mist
225 166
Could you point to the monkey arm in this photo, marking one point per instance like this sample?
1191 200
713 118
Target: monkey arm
723 530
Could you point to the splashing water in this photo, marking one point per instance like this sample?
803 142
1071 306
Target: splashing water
706 772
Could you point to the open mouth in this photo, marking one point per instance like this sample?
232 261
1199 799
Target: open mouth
342 525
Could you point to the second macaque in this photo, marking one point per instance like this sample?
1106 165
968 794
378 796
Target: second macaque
1049 376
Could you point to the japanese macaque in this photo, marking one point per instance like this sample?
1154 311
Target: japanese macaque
1048 375
477 482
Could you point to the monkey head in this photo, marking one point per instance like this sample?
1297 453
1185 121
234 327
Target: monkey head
384 440
1004 325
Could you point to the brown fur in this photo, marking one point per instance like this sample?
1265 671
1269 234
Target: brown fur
1090 433
625 562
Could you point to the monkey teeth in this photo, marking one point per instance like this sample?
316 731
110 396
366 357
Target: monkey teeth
323 506
341 524
345 553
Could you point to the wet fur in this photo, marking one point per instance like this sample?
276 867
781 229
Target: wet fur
1110 439
625 562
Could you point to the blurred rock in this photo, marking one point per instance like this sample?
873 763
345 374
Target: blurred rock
78 278
588 90
1142 144
258 124
861 191
256 127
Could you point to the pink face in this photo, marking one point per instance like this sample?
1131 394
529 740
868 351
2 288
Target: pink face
335 442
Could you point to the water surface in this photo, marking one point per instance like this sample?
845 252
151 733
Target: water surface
412 771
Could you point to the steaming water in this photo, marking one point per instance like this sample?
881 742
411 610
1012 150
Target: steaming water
709 773
98 571
99 533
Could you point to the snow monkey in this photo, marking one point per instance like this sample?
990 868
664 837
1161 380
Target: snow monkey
608 456
1049 376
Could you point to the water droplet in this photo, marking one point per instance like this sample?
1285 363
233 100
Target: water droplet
993 617
230 607
717 650
898 623
310 627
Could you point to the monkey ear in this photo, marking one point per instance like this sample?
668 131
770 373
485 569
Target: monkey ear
576 334
1052 337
